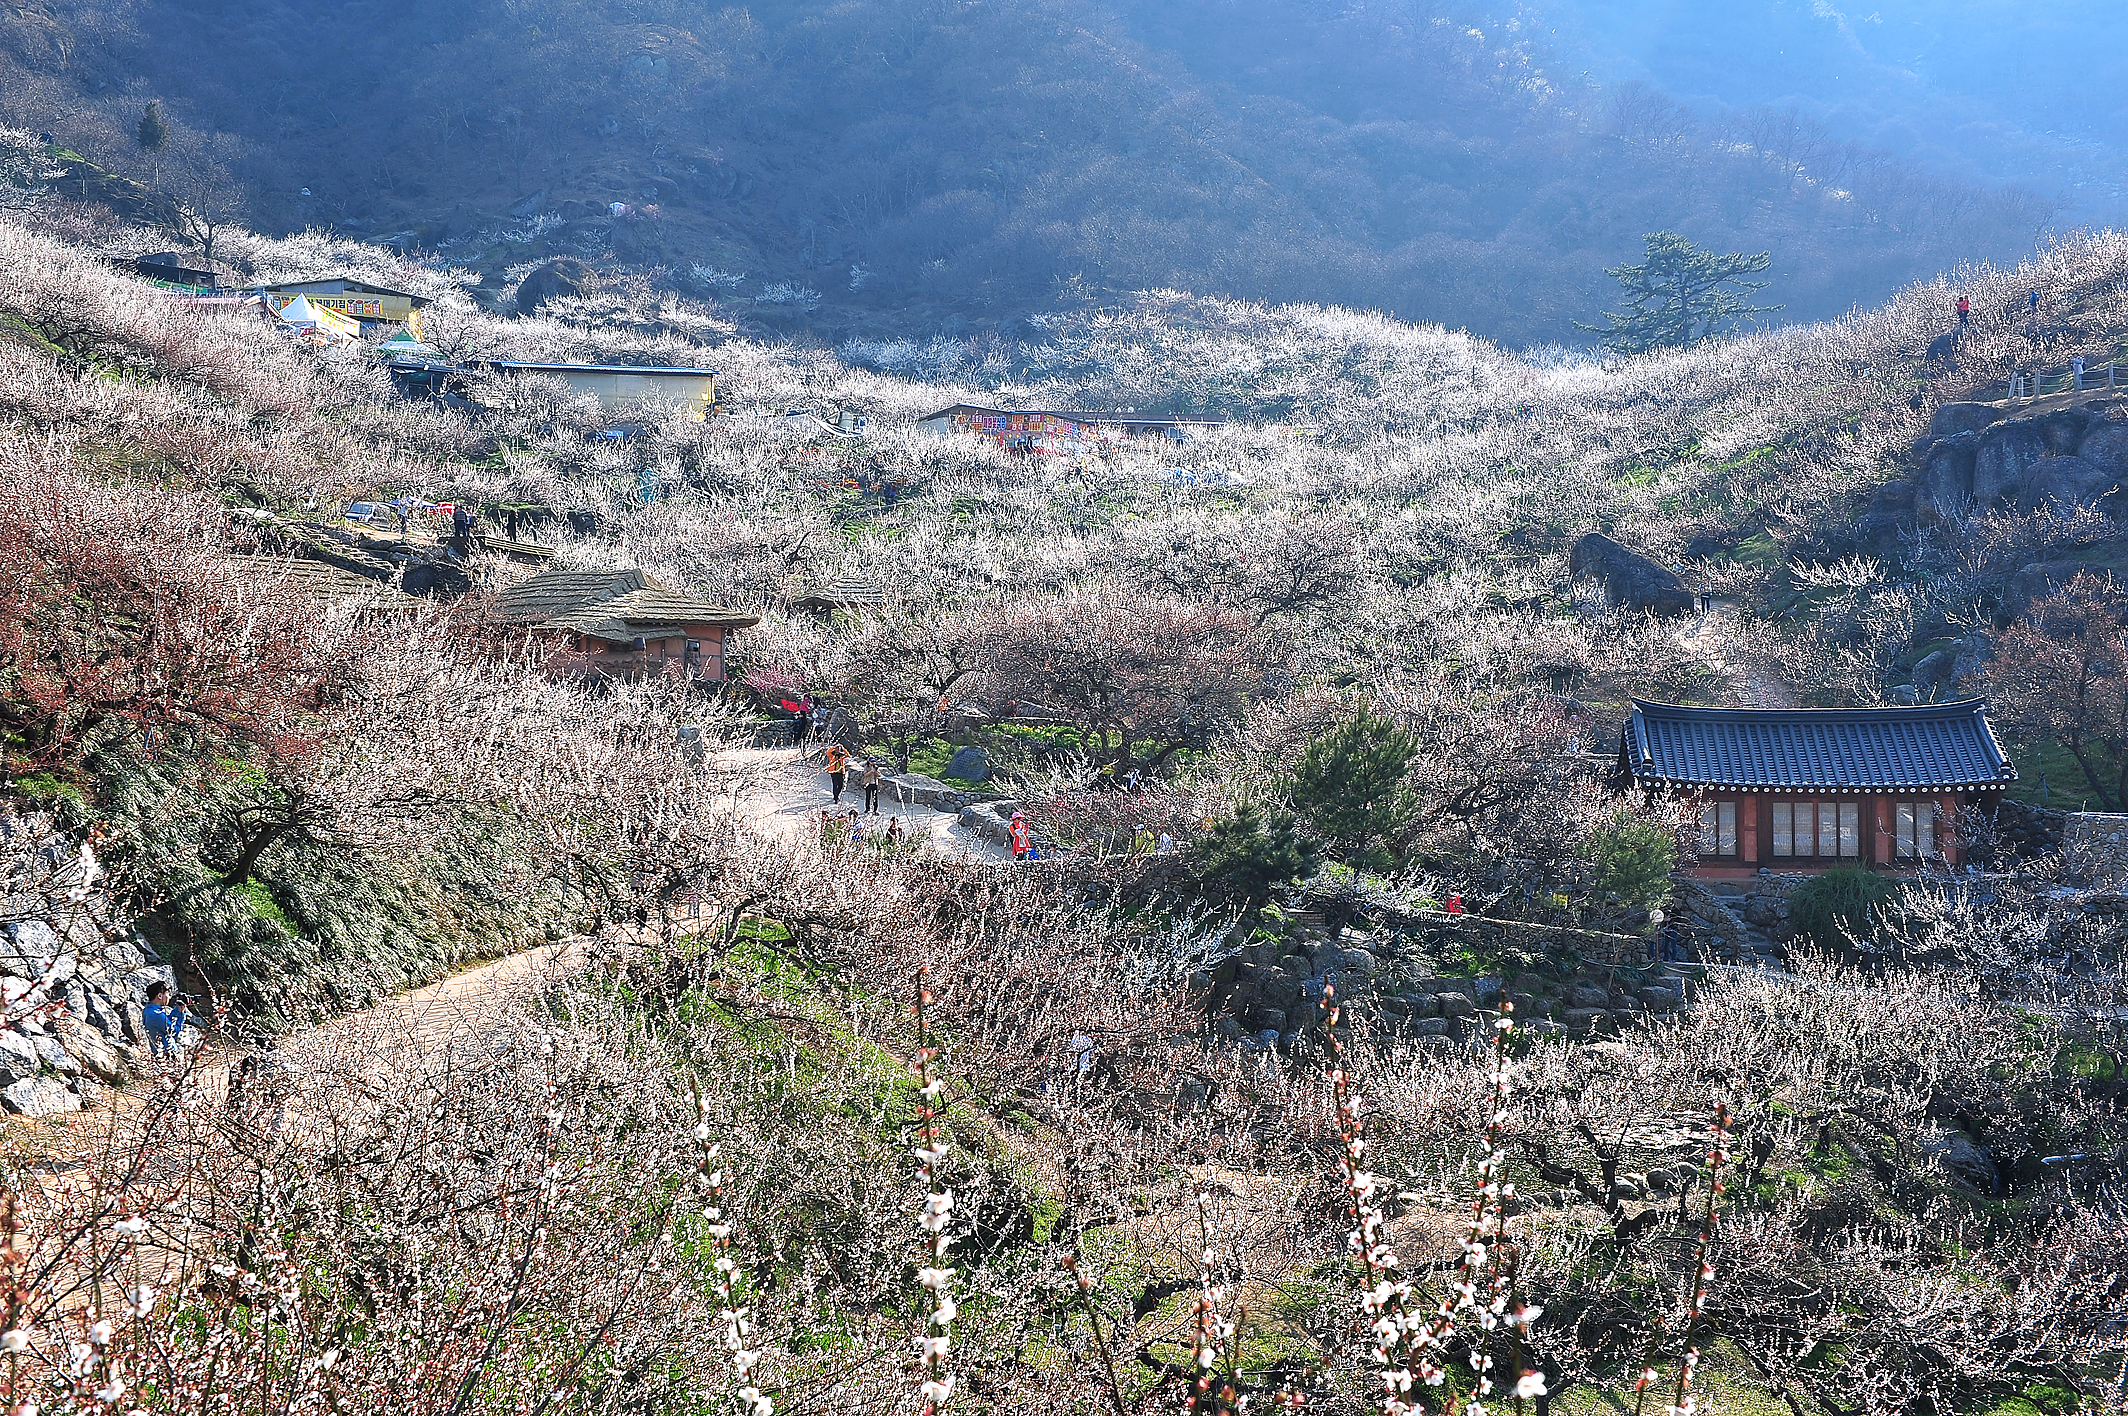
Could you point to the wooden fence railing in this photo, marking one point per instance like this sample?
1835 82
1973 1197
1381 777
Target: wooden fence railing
2024 387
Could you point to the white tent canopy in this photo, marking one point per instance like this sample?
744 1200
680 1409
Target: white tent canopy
313 324
299 311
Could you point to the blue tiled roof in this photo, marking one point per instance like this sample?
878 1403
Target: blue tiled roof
1936 745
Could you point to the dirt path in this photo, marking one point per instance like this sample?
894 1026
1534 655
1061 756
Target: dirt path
777 791
780 791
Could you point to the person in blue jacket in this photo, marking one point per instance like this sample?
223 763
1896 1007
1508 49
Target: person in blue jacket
163 1022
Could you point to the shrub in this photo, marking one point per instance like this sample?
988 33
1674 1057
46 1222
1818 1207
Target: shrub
1851 900
1631 859
1349 787
1245 855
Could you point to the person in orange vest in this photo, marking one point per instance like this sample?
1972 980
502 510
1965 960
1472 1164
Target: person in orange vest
1020 843
838 765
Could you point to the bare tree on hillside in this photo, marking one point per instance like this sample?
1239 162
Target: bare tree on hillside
1143 679
207 202
2061 673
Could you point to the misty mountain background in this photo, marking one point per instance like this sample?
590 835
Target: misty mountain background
1989 93
919 167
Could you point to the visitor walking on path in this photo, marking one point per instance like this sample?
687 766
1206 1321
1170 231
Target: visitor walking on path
1020 843
2076 366
838 766
869 779
1965 312
800 721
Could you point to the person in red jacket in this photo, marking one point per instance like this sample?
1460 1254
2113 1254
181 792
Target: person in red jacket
1965 312
1019 836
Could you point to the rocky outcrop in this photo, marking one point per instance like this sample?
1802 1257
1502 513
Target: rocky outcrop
1629 578
969 764
1975 460
2004 458
1953 418
74 973
1943 490
552 281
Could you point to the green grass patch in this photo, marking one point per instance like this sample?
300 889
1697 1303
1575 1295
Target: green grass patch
2048 775
259 900
930 758
46 789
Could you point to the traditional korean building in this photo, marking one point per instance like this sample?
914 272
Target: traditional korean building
624 623
1807 789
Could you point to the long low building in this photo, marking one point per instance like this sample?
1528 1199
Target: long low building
617 385
1808 789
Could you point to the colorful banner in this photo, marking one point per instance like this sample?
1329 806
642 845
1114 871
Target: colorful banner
353 305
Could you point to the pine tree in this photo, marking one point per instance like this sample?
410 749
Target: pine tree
153 135
1349 787
1245 855
1680 295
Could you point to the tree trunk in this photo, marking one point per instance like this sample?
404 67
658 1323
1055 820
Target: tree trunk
252 849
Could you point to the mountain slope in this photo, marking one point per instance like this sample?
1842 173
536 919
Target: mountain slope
899 166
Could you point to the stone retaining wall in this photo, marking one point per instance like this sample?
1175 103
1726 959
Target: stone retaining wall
74 971
1271 992
2095 848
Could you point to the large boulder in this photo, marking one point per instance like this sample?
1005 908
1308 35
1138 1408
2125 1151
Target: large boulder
2064 482
18 1057
2064 428
2007 454
1944 490
557 278
39 1096
1964 1160
31 947
1962 418
1629 578
969 764
2106 445
1934 671
2032 582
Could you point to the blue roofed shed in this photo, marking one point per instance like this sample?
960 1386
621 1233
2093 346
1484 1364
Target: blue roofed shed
1812 788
